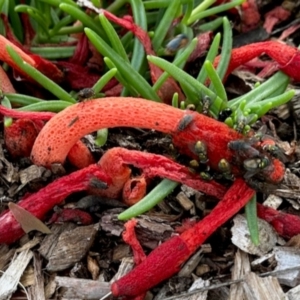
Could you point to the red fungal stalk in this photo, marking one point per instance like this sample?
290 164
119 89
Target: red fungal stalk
25 114
139 255
152 165
287 57
275 16
57 138
112 169
130 238
287 225
5 84
41 64
71 215
134 190
167 259
20 136
45 199
250 16
80 150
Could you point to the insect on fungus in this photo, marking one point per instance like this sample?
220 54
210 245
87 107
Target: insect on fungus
185 122
243 148
201 151
255 165
225 169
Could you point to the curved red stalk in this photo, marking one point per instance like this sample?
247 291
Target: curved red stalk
42 201
166 260
153 165
57 137
130 238
20 136
79 149
116 174
26 114
287 57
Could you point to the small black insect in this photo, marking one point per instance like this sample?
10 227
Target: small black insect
224 114
185 122
243 148
72 122
254 165
84 94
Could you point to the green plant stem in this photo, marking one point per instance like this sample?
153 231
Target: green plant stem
78 14
19 99
179 60
39 77
215 80
163 189
116 5
213 11
101 83
101 137
195 87
7 120
188 12
164 24
211 26
201 7
226 49
133 78
15 21
261 108
113 37
120 77
54 52
269 87
52 105
43 80
251 216
138 51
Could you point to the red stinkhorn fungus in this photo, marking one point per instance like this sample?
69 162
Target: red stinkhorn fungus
113 170
5 84
20 136
166 260
114 163
43 65
130 112
45 199
287 225
287 57
56 139
71 215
